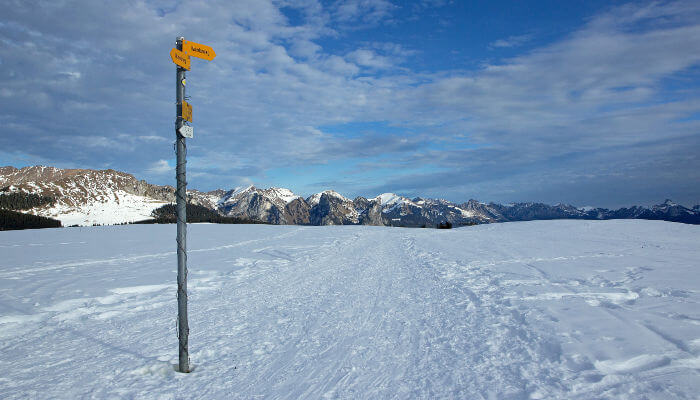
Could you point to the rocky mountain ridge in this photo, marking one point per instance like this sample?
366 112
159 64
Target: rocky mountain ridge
86 197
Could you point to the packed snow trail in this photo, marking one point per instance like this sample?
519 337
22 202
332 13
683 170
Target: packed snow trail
547 309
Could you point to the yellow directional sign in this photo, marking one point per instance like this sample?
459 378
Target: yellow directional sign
198 50
186 111
180 58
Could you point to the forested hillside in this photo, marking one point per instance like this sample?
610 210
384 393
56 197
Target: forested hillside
11 219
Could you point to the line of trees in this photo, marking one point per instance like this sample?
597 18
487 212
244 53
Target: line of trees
167 214
22 201
10 219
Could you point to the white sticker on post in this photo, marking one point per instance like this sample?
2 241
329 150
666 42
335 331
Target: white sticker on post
186 131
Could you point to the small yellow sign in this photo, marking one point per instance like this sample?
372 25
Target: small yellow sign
180 58
186 111
198 50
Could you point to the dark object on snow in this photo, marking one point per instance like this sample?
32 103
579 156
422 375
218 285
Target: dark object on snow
445 225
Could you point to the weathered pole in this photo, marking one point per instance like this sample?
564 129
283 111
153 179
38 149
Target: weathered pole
181 197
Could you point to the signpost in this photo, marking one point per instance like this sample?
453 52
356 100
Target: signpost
181 57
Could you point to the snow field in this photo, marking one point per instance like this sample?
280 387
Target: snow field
111 208
528 310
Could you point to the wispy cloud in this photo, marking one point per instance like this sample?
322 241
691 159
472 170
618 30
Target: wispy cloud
363 11
512 41
368 58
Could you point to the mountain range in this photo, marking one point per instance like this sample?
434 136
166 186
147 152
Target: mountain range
89 197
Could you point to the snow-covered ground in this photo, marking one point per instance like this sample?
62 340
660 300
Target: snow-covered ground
113 208
546 309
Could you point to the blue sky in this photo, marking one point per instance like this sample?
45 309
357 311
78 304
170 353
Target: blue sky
581 102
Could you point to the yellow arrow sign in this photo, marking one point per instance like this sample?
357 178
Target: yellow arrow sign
198 50
180 58
186 111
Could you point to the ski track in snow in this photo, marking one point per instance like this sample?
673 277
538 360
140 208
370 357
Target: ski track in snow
546 309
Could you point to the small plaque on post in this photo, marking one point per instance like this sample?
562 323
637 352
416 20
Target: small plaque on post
186 131
186 111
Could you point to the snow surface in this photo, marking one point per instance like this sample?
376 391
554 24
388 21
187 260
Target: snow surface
114 208
544 309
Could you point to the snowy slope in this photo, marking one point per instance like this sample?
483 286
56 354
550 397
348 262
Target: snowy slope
86 197
546 309
113 208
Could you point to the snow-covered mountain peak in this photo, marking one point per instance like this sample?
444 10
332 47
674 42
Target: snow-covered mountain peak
669 203
393 200
273 194
236 194
316 198
285 194
273 205
242 189
388 198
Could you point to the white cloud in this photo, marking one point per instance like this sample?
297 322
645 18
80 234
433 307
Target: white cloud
160 167
512 41
151 138
368 58
363 11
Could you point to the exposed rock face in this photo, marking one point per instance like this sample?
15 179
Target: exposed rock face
330 208
395 210
536 211
298 211
5 171
667 211
14 176
489 212
267 205
209 200
370 211
75 187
